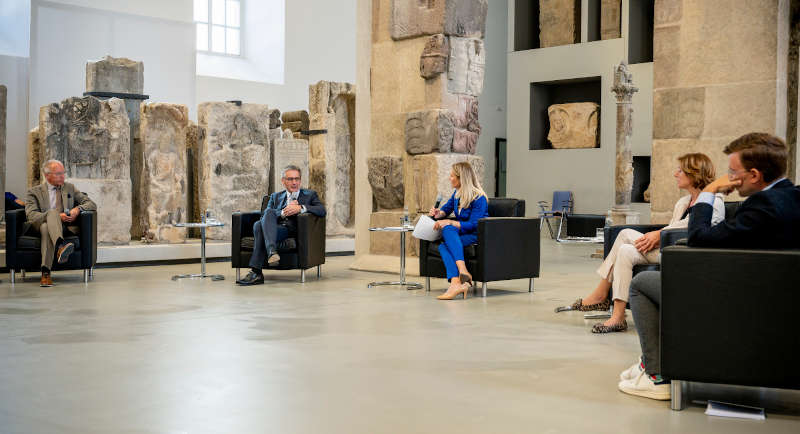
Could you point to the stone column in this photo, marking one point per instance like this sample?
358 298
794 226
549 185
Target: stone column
623 173
719 71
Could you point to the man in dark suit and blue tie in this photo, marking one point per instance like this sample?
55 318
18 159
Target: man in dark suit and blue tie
279 222
769 218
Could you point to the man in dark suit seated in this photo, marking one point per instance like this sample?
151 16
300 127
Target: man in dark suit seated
279 222
768 218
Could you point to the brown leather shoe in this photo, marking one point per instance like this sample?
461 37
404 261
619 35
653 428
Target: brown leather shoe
46 281
64 252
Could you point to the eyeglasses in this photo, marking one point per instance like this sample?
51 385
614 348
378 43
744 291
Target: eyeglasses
734 173
58 173
292 179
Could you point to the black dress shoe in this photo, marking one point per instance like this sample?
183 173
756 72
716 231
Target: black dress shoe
252 278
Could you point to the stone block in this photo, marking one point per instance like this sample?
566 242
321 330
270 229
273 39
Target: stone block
385 176
295 120
112 74
559 22
91 137
429 131
294 152
736 109
667 11
433 60
716 37
466 66
113 199
464 141
666 56
679 112
574 125
610 13
34 172
466 114
233 160
388 243
160 190
274 118
466 18
428 176
387 134
412 18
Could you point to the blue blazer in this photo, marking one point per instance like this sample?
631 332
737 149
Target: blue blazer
469 216
768 219
307 198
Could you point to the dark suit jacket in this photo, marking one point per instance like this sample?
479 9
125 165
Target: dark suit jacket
307 198
768 219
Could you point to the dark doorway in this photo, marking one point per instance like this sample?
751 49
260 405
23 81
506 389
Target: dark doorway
500 167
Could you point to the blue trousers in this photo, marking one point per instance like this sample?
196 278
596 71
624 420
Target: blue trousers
267 233
452 248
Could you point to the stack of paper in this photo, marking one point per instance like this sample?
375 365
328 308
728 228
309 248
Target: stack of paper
724 409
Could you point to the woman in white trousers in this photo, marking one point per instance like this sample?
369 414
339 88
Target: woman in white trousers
630 248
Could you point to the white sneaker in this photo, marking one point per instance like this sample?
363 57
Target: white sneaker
644 386
632 372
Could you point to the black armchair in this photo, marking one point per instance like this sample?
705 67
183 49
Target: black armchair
724 318
23 245
507 247
304 252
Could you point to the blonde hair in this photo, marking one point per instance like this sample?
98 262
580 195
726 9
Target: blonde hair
698 168
470 185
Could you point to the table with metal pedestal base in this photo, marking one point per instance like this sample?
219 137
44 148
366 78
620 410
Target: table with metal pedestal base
202 226
402 230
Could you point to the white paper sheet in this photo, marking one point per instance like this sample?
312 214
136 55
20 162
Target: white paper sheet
424 230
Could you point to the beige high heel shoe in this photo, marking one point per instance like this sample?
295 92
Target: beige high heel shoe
464 289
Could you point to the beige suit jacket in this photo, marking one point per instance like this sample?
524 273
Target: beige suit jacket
37 202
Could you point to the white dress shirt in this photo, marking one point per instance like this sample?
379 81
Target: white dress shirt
53 191
291 197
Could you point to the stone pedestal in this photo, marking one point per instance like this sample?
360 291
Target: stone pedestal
233 161
161 188
92 138
623 90
332 109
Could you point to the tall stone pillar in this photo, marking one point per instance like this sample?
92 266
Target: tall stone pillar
720 70
428 62
623 172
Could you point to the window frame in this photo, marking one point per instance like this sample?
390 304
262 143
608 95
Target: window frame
210 25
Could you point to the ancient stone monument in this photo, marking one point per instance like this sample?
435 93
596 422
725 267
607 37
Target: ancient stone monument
119 75
610 18
233 161
92 138
623 90
574 125
332 142
161 189
559 22
428 61
34 174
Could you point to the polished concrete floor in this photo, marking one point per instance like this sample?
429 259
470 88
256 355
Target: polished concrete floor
134 352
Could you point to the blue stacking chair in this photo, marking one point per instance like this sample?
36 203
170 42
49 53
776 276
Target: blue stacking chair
562 204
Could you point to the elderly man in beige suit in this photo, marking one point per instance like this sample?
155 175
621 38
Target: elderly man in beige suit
51 208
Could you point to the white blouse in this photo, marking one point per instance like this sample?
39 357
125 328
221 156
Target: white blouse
683 203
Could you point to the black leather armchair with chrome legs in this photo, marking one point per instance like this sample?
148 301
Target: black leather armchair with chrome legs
507 247
23 245
305 251
726 318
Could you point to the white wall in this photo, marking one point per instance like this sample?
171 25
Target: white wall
320 45
176 10
492 102
64 37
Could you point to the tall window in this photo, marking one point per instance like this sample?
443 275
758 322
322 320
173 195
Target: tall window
218 26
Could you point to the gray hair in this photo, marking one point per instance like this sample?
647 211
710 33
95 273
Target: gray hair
291 167
48 164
